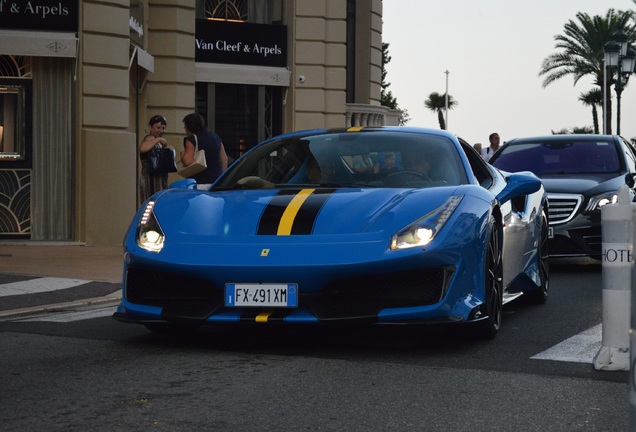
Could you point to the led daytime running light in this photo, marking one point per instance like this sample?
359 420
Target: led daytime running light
424 230
149 233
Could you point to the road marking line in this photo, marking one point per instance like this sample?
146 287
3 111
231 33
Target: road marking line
580 348
64 317
39 285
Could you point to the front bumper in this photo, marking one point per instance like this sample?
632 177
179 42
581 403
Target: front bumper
580 237
397 296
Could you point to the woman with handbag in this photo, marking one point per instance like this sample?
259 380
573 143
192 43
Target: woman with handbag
203 157
149 182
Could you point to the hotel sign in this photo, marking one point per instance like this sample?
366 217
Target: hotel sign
240 43
56 15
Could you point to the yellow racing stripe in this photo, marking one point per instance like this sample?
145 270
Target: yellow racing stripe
287 220
263 317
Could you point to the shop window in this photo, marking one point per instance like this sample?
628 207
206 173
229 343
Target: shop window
15 111
15 66
254 11
227 10
12 119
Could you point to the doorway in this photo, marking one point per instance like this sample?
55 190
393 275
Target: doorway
243 115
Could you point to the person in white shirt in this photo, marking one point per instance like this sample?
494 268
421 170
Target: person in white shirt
487 153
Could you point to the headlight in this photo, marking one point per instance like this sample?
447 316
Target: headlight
149 233
423 231
600 200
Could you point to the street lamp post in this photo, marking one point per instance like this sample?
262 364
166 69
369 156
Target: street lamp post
619 55
446 102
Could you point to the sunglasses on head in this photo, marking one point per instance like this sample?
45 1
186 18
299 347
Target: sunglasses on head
158 119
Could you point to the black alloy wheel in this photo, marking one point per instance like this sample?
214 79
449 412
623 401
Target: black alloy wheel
493 286
540 296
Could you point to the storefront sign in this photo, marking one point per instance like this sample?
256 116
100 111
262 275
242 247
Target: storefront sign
56 15
240 43
136 22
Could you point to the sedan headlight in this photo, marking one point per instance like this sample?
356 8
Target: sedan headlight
603 199
423 231
149 233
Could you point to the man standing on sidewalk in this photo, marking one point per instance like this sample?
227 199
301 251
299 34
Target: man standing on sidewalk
487 153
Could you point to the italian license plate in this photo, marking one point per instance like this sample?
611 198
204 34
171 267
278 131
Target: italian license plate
261 295
550 232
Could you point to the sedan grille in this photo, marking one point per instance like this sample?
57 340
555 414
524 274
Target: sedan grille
563 207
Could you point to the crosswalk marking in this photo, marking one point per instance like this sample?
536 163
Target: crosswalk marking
580 348
39 285
70 316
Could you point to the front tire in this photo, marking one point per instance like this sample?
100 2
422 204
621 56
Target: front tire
493 287
540 296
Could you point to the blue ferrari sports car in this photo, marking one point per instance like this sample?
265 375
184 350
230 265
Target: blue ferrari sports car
382 225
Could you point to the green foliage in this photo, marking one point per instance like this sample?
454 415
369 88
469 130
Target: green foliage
593 98
386 97
581 49
436 102
574 130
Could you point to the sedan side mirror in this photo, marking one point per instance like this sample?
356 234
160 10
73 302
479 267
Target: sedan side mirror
630 180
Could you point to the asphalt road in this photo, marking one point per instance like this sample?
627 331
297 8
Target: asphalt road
80 370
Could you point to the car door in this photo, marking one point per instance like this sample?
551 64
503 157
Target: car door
518 218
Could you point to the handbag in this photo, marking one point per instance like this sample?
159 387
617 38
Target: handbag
195 167
162 160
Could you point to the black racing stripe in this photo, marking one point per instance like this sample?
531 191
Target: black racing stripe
308 212
270 219
306 217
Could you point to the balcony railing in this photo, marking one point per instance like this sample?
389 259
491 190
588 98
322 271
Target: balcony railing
371 115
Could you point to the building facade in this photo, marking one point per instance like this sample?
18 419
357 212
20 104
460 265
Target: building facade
80 79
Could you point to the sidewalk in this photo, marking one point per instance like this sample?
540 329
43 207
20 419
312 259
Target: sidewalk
19 262
68 260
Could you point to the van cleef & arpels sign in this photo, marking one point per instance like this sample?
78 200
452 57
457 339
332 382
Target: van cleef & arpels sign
241 43
56 15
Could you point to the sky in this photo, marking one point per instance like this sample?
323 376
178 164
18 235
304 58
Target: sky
492 50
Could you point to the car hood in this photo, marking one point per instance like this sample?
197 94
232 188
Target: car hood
584 184
232 215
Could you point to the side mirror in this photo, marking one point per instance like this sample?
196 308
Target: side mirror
630 180
521 183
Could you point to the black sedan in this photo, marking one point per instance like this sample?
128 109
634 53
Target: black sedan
581 173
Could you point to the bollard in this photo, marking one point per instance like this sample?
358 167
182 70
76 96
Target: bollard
617 236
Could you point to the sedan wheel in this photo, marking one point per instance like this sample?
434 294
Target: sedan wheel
493 283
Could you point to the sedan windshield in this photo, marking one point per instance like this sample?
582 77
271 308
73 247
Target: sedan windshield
349 159
559 157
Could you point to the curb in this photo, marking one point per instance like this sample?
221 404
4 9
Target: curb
113 297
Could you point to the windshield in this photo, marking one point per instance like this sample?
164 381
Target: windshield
560 157
349 159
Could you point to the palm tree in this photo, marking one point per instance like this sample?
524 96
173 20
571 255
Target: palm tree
574 130
437 103
582 44
593 98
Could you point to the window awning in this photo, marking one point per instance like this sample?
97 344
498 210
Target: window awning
144 59
242 74
38 44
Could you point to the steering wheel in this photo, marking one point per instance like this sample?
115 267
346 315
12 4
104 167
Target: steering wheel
399 178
